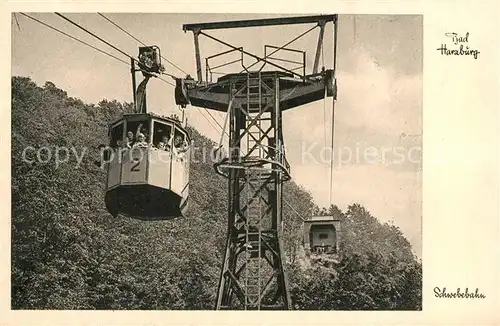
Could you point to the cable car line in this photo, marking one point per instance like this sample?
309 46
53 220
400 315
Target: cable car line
225 123
286 202
17 22
135 38
210 122
332 157
334 64
324 99
84 43
325 130
166 81
74 38
94 35
123 30
106 42
217 122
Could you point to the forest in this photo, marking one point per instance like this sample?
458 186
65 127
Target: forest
68 252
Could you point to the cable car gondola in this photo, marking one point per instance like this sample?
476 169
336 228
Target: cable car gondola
148 156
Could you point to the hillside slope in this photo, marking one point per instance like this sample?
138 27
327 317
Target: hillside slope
69 253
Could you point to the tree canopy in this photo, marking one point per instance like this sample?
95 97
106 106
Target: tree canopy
69 253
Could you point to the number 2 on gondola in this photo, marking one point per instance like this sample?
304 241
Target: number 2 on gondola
135 167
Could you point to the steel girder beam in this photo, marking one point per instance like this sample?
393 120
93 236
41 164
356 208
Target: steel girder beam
260 22
294 92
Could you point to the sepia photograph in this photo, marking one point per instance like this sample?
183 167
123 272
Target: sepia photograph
200 161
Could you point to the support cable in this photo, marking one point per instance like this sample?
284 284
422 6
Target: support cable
136 39
225 123
334 64
107 43
74 38
94 35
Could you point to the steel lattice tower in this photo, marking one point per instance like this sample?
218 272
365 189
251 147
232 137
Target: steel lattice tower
253 269
253 274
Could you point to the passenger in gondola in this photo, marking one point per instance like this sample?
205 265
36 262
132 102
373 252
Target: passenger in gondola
180 146
129 140
141 131
141 141
164 144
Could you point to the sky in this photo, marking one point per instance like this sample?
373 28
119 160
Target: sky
378 113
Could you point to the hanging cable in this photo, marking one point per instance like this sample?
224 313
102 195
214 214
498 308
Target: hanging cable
326 93
334 64
354 32
210 122
217 122
107 43
135 38
325 129
300 216
323 54
74 38
166 81
17 22
169 75
94 35
335 31
225 122
123 30
332 156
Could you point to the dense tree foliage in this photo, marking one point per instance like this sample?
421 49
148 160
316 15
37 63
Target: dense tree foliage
69 253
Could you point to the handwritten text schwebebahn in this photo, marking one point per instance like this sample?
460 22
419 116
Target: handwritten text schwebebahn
458 294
